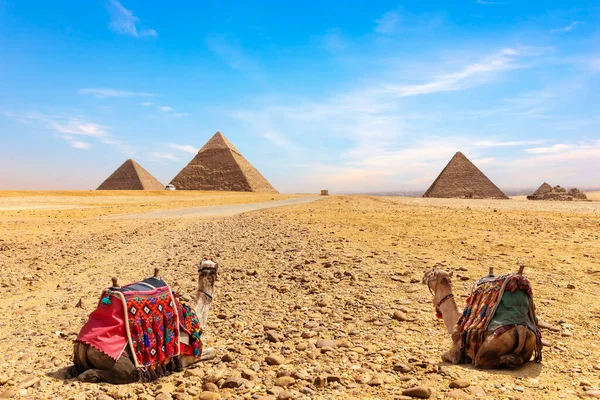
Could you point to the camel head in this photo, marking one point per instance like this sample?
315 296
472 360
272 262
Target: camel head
436 279
207 271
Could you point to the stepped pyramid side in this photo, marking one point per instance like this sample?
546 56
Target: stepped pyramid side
461 178
131 176
220 166
544 188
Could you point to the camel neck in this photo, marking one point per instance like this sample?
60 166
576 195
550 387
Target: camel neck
203 300
448 307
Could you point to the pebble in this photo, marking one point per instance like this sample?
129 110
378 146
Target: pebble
326 343
274 359
164 396
458 394
274 336
460 384
104 397
209 396
210 387
284 381
401 368
400 316
421 392
232 383
595 393
8 394
28 382
519 389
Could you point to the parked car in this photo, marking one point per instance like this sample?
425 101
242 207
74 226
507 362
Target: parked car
170 187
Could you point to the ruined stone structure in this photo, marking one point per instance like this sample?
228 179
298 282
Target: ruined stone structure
220 166
131 176
462 179
556 193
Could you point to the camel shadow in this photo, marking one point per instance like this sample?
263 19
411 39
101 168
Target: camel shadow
61 374
527 370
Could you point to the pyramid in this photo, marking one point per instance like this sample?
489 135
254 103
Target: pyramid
131 176
544 188
461 178
220 166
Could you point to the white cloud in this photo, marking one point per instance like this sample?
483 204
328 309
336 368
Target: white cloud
388 23
165 108
488 3
557 148
182 114
77 144
108 92
69 128
164 156
184 147
567 28
483 71
124 22
233 55
147 104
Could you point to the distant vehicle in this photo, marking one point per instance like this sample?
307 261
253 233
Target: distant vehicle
170 187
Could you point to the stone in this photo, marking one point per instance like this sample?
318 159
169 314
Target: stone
476 391
166 387
284 381
274 359
271 326
401 368
28 382
209 396
164 396
286 395
326 343
249 374
460 384
458 394
210 387
233 383
400 316
274 336
594 393
228 357
8 394
375 381
104 397
421 392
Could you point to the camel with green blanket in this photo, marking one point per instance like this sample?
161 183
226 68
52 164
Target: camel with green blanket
498 326
142 331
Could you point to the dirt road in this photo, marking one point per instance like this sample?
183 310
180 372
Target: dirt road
217 211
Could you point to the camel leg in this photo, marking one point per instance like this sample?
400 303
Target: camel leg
207 354
102 368
512 349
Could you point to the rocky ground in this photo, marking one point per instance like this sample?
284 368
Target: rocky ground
319 301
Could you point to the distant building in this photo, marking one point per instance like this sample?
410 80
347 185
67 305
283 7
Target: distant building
131 176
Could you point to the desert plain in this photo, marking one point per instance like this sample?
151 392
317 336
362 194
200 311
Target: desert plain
317 285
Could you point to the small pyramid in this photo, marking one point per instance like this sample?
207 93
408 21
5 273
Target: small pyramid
544 188
461 178
131 176
220 166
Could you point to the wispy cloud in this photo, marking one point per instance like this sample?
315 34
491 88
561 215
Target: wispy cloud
333 41
183 147
165 108
147 103
108 92
164 156
567 28
552 149
482 71
388 23
181 114
235 57
488 2
72 129
124 22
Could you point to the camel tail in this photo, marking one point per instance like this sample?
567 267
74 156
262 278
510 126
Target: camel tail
514 359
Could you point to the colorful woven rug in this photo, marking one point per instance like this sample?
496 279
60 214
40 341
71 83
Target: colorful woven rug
496 303
149 318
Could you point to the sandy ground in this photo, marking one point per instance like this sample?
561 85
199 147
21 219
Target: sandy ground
334 269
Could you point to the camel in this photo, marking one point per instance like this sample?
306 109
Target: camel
508 346
92 365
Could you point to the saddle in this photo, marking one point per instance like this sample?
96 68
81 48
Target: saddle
497 303
147 319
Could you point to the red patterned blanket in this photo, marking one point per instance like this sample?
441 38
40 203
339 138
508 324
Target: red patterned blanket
148 318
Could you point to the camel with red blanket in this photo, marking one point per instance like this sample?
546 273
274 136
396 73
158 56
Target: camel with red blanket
143 331
497 328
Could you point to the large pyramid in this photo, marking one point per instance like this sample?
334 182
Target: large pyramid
220 166
131 176
461 178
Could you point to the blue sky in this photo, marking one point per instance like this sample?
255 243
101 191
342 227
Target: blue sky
338 94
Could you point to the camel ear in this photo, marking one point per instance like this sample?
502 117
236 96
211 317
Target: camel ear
451 273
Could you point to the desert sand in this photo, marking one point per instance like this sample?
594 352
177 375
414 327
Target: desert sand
336 270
